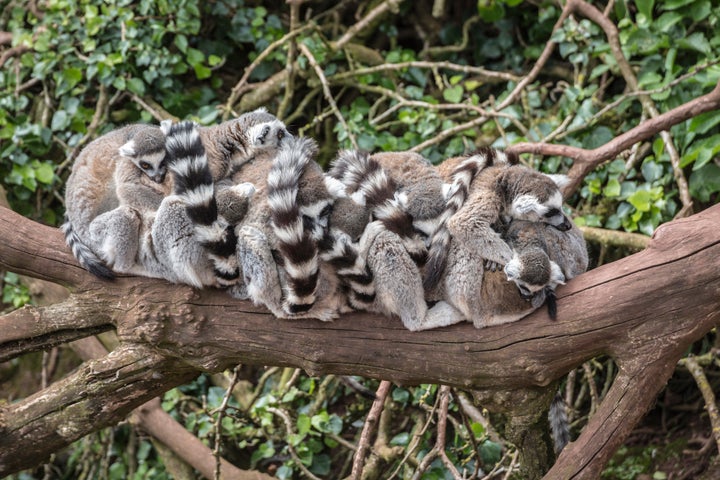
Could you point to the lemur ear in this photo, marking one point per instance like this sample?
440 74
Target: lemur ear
513 268
559 179
128 150
165 126
556 275
524 204
446 189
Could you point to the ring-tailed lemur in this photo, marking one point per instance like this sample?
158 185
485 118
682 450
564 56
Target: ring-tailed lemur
559 424
468 291
115 170
278 239
482 197
123 167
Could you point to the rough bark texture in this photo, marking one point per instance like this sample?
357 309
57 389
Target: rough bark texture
643 311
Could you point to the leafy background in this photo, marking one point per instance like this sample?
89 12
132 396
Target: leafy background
76 69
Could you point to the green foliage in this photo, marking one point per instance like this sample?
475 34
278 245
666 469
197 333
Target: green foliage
14 293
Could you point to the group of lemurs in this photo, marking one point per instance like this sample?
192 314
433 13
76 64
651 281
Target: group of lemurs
244 206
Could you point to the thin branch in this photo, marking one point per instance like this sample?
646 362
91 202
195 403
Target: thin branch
616 238
387 5
289 428
369 429
218 422
240 86
328 94
485 74
708 395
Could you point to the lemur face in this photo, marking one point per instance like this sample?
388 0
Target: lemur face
532 207
147 158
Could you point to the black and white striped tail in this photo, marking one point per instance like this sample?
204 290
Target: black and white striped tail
368 184
86 257
193 183
559 424
461 179
297 247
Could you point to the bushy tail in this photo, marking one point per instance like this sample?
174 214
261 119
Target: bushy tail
461 179
86 257
193 183
298 248
559 424
368 184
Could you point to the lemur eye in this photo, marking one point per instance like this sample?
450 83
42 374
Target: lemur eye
145 165
552 212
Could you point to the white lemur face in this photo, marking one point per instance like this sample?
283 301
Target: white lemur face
147 156
532 207
264 130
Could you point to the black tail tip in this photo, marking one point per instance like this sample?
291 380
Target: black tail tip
101 271
551 301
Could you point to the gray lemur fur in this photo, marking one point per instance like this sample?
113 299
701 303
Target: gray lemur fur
468 291
185 240
111 229
288 211
125 167
401 196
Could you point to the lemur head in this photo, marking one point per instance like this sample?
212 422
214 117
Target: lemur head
264 130
146 150
536 197
534 274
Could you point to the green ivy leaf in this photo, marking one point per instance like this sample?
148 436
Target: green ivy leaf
641 200
44 173
453 94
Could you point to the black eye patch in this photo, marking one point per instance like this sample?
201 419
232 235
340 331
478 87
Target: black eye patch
144 165
326 211
552 212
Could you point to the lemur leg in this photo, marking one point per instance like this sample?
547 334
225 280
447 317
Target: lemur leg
175 248
114 235
398 282
442 314
478 235
260 273
462 282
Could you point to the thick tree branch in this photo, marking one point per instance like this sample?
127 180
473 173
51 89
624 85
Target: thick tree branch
643 311
587 160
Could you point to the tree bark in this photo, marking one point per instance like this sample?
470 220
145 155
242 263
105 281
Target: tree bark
643 311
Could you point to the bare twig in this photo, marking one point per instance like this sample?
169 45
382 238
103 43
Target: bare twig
328 94
369 428
387 5
218 421
288 426
708 395
613 36
240 86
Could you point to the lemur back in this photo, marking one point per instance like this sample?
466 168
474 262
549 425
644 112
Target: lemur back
123 167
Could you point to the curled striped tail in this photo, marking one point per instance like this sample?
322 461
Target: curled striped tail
456 195
297 247
86 257
194 184
367 183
